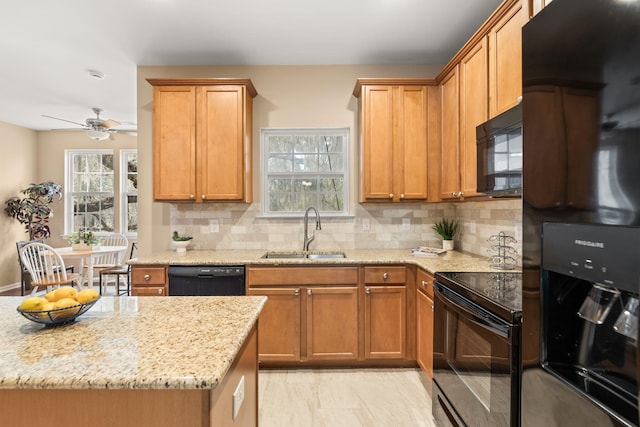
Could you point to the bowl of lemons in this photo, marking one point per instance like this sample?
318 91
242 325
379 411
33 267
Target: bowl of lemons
58 307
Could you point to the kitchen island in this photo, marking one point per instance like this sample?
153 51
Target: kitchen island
132 361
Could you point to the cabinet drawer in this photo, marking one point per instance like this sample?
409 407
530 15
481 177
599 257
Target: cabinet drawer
300 276
385 275
424 282
148 276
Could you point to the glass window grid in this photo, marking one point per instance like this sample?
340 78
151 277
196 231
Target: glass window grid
129 193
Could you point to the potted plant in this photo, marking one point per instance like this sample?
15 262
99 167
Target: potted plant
447 229
83 240
180 242
33 210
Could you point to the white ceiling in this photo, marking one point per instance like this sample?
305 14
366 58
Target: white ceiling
47 47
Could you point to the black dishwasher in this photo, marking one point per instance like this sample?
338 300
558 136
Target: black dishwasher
206 280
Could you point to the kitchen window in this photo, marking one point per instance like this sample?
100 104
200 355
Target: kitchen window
303 168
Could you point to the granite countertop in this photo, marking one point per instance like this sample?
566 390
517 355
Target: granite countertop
127 343
449 261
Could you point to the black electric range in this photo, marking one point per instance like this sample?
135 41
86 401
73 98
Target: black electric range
498 292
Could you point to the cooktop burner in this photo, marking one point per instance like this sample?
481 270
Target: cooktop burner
498 292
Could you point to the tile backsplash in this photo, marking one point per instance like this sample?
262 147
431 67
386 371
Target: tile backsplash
240 226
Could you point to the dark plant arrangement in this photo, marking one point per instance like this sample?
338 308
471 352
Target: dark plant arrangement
178 238
446 228
33 210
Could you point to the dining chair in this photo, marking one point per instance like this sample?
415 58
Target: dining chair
46 267
25 278
120 270
113 259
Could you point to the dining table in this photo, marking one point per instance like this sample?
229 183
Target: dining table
88 257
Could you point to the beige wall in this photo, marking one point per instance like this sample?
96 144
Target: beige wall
18 169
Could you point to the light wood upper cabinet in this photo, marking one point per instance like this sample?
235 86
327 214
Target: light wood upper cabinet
393 117
450 134
505 59
202 139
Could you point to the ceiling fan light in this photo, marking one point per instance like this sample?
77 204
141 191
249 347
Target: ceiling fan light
98 135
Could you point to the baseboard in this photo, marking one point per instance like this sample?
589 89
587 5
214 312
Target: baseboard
10 286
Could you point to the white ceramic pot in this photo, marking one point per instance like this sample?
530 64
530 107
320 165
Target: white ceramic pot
447 245
181 245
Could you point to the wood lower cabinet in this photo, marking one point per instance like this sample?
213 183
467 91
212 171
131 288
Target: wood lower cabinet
202 137
149 280
424 322
311 313
385 313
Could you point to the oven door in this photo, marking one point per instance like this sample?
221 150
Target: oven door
475 363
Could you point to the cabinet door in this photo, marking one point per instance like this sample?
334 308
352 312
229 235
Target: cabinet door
221 142
332 323
279 330
410 151
377 142
450 157
174 143
505 60
474 107
385 322
424 332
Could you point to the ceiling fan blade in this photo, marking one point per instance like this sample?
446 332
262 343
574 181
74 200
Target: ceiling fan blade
65 120
109 123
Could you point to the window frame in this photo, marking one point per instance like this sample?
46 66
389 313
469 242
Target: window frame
68 184
123 223
264 175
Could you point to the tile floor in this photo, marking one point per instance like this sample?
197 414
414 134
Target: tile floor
343 397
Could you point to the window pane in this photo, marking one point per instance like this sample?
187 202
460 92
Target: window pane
305 163
303 168
132 214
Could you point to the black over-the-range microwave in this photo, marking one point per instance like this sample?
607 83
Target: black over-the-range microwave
499 148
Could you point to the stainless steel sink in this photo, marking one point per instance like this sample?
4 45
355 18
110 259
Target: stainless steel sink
301 254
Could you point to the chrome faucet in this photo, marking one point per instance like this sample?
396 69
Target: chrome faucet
307 239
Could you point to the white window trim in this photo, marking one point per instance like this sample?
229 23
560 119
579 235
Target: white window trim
343 131
124 170
68 183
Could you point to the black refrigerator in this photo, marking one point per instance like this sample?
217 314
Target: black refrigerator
581 214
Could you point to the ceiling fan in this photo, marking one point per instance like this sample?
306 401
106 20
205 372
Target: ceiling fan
97 128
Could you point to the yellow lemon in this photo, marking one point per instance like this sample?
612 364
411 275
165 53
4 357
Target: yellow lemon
64 292
47 306
32 303
87 295
66 302
50 296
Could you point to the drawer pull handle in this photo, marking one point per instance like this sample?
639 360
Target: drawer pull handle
309 292
191 196
146 277
159 291
425 283
391 195
296 292
385 276
367 291
204 197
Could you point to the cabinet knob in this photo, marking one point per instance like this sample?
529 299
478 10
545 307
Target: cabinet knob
391 195
453 194
191 196
402 196
385 276
424 283
203 197
159 291
367 291
432 308
146 277
460 194
308 291
296 292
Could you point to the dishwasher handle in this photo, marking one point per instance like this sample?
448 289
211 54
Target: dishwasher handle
206 271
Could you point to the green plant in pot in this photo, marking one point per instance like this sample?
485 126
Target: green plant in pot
34 210
83 239
447 229
180 242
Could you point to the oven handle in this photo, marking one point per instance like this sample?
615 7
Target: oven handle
474 314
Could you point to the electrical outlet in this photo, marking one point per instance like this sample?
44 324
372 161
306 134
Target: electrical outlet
214 227
472 227
238 397
406 224
366 224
